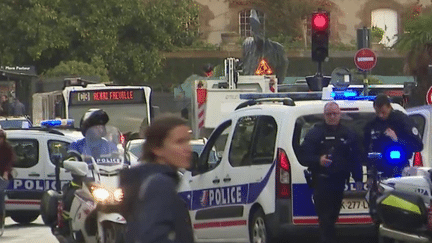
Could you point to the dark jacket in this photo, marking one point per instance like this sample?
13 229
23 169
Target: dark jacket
153 210
341 142
408 138
7 157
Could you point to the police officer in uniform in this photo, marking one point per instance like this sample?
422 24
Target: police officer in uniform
93 144
391 129
331 152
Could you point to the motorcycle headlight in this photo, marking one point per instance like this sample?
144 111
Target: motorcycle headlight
101 194
118 195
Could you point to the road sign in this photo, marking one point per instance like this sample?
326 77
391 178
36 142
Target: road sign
365 59
429 96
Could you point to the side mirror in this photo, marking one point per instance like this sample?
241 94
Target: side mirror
195 159
76 167
57 158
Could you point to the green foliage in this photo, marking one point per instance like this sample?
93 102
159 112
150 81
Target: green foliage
285 17
358 77
289 42
342 47
377 33
417 33
127 35
75 68
416 41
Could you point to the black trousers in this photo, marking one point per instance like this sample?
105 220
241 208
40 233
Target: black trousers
328 196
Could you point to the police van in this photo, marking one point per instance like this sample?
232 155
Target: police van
422 116
257 190
33 171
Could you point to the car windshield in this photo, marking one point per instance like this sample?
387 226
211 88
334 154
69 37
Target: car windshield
5 124
135 149
354 120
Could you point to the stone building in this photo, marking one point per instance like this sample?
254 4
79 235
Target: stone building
223 22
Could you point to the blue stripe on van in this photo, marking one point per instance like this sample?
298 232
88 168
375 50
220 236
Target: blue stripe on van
229 195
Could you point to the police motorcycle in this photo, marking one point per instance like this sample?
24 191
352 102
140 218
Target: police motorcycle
94 213
401 206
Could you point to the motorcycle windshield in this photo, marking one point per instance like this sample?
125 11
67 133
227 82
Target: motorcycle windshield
103 146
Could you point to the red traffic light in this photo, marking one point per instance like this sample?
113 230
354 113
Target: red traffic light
320 21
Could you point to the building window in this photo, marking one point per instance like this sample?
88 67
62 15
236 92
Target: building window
244 24
386 19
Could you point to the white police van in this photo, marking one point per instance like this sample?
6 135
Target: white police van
258 190
33 171
422 116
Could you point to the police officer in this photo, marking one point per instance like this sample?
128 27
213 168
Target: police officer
391 129
93 144
330 151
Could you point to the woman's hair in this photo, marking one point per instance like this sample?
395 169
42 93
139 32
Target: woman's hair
156 134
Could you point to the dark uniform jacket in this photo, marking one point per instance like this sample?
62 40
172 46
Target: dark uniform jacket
153 210
340 142
408 138
7 157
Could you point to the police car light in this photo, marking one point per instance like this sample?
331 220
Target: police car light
395 154
58 123
344 94
349 95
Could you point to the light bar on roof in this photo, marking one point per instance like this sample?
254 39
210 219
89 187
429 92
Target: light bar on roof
296 96
58 123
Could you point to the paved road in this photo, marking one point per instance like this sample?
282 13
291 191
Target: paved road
36 232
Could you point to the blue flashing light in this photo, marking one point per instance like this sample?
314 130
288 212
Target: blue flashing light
58 123
349 95
336 95
395 154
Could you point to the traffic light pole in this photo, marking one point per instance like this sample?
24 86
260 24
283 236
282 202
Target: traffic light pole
319 67
365 84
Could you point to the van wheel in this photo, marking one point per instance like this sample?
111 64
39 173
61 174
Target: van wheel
257 228
24 217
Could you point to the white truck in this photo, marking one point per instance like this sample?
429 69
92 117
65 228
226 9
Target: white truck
213 99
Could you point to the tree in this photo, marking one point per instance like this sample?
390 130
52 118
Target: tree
75 68
416 42
126 34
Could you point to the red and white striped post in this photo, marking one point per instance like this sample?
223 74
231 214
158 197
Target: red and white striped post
201 99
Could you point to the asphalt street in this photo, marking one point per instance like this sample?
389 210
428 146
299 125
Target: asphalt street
37 232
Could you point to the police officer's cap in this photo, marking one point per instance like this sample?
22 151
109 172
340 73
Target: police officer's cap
93 117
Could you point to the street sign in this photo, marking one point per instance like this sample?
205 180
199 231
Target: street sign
429 96
365 59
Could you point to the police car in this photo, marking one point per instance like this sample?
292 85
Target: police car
14 122
33 171
422 116
257 189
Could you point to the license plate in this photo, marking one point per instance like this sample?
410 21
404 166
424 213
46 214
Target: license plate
354 206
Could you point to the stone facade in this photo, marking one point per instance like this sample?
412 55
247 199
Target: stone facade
220 18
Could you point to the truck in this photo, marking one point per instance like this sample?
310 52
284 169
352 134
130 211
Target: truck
214 98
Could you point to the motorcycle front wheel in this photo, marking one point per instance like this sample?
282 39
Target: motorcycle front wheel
113 232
